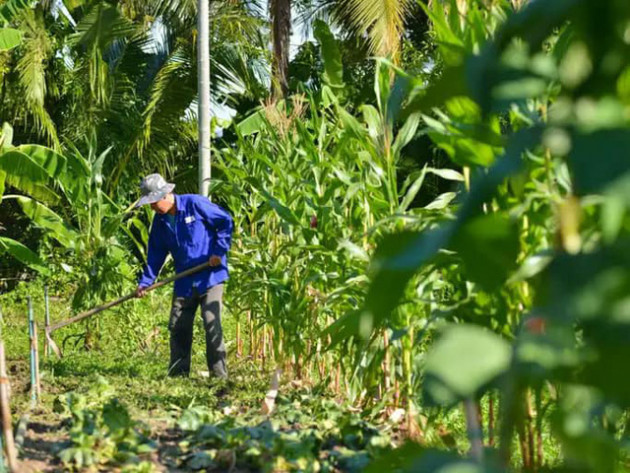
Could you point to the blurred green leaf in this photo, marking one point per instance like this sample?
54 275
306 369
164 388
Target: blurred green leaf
9 38
116 417
331 56
489 246
464 360
612 170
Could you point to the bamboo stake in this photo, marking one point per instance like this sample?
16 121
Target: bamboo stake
5 414
238 339
491 419
35 348
31 334
250 323
47 321
386 363
270 399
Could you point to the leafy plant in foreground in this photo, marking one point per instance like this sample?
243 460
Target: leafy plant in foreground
103 434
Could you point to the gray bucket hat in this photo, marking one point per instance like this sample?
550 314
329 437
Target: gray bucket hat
154 188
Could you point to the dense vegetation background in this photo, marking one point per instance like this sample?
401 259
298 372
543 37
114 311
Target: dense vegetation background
431 239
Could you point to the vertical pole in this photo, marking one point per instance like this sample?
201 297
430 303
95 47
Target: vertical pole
203 84
31 331
5 413
47 321
475 435
238 339
3 465
38 386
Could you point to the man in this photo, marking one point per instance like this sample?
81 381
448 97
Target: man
193 230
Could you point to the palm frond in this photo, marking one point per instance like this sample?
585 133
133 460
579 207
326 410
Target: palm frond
171 94
31 67
383 21
98 32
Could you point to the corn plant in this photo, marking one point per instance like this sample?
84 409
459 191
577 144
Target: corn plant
314 186
535 249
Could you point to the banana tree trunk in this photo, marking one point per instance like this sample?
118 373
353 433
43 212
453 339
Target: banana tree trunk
203 86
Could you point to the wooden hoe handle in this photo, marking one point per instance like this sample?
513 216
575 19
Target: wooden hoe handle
101 308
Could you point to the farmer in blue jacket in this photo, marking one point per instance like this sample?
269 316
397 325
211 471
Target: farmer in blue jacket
193 230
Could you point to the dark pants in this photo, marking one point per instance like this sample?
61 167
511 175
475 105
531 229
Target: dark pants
181 328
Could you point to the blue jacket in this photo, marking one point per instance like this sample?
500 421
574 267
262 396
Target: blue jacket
199 230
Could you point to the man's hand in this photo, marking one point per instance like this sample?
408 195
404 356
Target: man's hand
141 291
215 261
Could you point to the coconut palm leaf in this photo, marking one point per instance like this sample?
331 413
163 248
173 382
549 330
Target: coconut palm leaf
383 21
37 49
97 32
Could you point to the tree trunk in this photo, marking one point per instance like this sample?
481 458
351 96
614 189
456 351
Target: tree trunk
203 88
281 34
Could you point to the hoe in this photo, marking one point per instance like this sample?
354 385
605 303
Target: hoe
84 315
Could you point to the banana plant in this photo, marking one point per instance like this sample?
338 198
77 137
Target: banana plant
10 37
62 195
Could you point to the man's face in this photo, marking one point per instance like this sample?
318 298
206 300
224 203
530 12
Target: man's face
161 206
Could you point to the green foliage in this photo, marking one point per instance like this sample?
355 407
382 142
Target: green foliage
22 253
91 221
9 38
307 433
125 72
347 265
331 56
10 8
102 432
463 362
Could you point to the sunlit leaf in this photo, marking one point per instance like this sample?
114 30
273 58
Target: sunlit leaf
465 359
9 38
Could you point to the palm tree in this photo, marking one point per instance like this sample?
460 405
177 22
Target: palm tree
280 34
126 72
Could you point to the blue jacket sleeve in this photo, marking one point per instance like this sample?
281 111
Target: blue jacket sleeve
219 221
156 255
